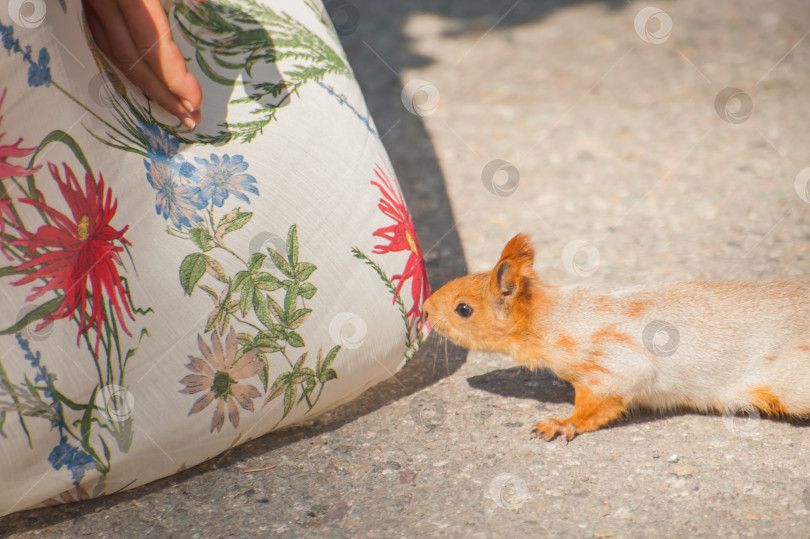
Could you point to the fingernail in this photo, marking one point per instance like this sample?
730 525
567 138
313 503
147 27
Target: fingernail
189 123
187 105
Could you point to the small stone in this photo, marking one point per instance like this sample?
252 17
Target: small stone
683 470
673 458
335 513
407 476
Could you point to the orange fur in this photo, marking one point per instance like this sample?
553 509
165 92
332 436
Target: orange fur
636 308
603 304
591 412
609 333
588 366
764 398
770 358
567 343
803 347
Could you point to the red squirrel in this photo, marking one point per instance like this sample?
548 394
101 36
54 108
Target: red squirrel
709 346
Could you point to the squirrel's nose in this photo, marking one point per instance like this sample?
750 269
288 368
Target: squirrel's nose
426 307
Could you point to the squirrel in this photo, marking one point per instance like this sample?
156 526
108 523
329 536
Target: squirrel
725 346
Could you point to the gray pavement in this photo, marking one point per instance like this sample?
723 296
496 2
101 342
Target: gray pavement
617 138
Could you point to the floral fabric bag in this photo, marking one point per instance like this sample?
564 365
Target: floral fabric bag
169 294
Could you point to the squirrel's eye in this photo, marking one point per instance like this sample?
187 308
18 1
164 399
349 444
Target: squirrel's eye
464 310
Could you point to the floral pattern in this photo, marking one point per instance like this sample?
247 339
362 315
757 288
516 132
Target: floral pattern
219 373
84 248
72 251
401 237
219 178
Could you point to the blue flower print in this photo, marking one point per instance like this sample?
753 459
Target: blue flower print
159 143
39 72
218 178
7 33
175 200
72 458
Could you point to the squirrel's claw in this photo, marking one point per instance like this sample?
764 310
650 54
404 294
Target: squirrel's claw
551 427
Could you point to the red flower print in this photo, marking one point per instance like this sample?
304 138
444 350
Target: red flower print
7 170
13 150
77 250
401 236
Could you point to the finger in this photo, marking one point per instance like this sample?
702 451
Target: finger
152 36
112 35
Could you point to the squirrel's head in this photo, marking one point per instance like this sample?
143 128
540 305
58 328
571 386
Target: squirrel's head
483 311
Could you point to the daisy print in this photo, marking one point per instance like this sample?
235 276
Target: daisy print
218 373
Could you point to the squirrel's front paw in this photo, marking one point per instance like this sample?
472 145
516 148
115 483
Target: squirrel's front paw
551 427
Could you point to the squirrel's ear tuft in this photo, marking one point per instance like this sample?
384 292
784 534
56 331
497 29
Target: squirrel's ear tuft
520 251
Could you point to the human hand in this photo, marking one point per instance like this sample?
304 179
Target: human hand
136 37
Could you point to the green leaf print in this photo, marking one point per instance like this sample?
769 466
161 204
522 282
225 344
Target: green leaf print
201 239
251 302
191 270
236 41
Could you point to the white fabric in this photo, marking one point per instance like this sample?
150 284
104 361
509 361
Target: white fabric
196 212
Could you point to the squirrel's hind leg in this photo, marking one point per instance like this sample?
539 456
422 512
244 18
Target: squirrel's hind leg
590 413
